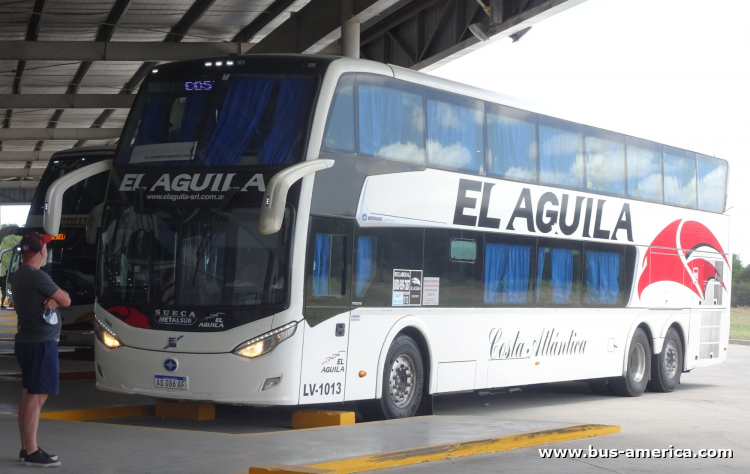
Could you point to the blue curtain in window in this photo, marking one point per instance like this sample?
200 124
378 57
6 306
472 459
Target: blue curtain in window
562 275
512 145
454 136
195 104
560 156
602 270
380 118
284 140
244 105
365 264
506 274
321 263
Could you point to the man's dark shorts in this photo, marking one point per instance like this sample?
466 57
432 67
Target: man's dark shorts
39 367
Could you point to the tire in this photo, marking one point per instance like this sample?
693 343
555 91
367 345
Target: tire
600 386
403 383
634 382
666 367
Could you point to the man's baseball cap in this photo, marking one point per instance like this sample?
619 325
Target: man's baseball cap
32 243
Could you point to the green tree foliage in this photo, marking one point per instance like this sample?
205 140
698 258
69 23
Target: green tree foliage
740 283
8 242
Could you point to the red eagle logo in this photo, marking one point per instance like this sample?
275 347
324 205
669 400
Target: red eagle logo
668 259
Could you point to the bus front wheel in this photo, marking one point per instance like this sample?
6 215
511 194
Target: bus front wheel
633 383
666 367
403 383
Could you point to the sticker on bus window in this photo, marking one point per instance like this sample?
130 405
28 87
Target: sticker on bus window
407 288
431 291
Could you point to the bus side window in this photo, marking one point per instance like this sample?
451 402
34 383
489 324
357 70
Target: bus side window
328 269
380 251
608 274
454 256
507 270
558 273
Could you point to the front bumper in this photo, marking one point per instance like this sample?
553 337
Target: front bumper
222 378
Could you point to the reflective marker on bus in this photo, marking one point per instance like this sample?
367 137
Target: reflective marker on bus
317 230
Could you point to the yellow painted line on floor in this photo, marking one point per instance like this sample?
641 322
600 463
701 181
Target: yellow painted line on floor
91 414
9 323
442 451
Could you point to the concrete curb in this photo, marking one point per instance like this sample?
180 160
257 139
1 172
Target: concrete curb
441 451
739 342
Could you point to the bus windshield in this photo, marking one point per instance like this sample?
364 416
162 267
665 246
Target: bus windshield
219 120
80 198
192 256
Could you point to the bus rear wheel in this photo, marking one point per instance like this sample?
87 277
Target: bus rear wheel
403 383
666 367
634 382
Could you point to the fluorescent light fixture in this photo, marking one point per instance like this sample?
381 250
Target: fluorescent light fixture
154 71
230 63
208 64
218 63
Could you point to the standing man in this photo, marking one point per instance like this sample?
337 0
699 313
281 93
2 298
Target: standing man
36 297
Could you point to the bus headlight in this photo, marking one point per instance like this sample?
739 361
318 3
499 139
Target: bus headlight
265 343
106 335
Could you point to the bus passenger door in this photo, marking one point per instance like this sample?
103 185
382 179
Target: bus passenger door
327 307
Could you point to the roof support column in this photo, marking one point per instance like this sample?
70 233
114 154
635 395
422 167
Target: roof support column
349 31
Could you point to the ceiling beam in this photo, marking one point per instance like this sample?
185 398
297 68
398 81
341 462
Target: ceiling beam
26 155
524 19
105 34
32 33
315 23
65 101
262 20
59 133
194 13
391 21
19 184
115 50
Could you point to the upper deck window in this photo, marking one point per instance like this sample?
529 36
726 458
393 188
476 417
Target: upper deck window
679 177
560 153
455 132
712 179
605 162
384 117
229 120
645 170
391 121
511 143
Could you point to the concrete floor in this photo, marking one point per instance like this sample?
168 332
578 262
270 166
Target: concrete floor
709 410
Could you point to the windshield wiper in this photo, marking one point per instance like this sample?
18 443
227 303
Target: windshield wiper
205 241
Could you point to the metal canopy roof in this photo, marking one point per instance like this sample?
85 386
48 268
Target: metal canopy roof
73 65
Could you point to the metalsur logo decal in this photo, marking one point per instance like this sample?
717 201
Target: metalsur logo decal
672 261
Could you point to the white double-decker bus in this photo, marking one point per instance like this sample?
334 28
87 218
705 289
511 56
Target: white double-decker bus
303 229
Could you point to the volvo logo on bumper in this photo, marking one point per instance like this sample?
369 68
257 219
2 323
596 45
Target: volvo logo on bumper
170 365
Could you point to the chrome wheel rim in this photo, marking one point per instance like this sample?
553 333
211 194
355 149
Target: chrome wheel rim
401 383
637 365
671 356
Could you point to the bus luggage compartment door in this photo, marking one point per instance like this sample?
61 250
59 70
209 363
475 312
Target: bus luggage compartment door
327 308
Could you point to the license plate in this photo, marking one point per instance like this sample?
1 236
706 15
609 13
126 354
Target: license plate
167 381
